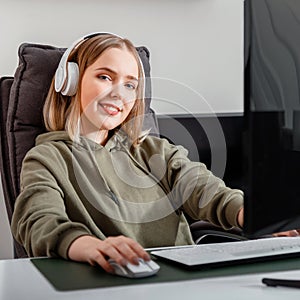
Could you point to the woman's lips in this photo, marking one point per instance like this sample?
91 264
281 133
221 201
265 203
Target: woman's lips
110 109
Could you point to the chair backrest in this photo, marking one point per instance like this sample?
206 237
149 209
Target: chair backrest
21 102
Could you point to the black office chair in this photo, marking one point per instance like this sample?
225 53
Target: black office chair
21 102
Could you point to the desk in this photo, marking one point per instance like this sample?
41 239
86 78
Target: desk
20 279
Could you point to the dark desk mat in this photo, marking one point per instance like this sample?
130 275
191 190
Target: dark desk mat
67 275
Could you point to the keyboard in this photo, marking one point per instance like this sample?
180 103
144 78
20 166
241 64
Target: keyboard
231 252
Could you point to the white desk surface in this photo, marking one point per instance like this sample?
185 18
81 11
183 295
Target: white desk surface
19 279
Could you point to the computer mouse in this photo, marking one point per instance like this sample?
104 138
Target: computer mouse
144 269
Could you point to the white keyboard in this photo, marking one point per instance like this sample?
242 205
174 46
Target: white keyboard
221 253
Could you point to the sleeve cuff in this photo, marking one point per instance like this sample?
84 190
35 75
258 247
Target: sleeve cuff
233 208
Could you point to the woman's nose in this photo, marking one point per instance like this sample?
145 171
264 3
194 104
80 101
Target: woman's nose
121 92
117 91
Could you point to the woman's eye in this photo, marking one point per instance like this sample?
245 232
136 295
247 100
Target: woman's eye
130 86
104 77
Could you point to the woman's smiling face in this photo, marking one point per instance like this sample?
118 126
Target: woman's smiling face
108 91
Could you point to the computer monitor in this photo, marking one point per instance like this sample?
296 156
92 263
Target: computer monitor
272 116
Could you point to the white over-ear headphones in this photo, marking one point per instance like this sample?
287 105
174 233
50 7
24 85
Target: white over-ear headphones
67 73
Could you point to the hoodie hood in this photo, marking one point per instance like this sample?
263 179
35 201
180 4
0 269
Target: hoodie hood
119 137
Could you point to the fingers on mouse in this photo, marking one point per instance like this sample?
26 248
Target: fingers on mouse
143 269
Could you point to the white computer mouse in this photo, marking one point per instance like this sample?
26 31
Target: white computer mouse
144 269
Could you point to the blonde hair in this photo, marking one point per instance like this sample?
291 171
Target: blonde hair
63 112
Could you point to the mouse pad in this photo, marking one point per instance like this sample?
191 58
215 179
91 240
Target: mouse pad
68 275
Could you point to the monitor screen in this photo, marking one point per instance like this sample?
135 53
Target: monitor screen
272 116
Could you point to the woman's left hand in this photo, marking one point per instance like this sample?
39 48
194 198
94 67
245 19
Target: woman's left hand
289 233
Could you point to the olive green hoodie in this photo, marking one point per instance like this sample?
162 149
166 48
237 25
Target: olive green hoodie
69 189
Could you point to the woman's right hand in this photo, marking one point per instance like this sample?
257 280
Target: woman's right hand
96 252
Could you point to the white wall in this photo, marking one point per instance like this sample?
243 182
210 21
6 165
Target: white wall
196 45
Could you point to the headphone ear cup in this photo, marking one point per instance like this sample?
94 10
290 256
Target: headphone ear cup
70 86
59 81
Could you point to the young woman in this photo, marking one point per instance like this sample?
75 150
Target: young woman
95 186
